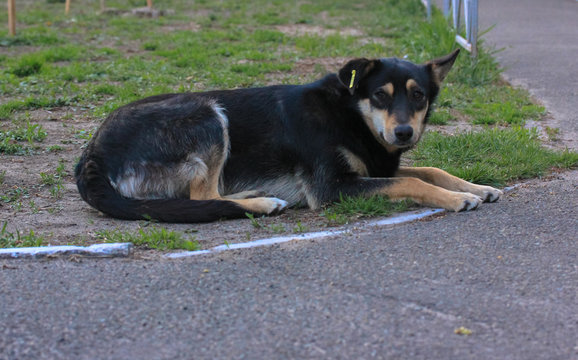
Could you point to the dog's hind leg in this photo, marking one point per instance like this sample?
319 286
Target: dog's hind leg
205 184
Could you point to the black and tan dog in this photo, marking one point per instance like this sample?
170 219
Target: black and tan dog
204 156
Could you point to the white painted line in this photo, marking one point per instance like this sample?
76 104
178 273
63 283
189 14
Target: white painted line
97 250
406 217
399 219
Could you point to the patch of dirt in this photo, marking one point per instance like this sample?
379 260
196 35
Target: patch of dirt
304 29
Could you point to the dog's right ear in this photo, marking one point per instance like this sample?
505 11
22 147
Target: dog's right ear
351 74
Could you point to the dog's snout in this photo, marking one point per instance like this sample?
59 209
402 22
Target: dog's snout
403 132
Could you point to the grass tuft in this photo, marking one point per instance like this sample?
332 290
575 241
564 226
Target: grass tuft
152 238
356 207
12 240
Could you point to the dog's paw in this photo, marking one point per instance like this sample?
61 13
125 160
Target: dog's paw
271 206
464 202
487 193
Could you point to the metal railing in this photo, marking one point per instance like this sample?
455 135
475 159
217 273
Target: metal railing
470 42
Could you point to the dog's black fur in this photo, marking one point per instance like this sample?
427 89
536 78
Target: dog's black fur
173 157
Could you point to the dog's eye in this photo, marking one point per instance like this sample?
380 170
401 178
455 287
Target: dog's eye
380 94
417 95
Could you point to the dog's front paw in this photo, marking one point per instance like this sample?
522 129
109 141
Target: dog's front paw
463 202
271 206
487 193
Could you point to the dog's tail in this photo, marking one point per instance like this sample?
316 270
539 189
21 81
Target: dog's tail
96 189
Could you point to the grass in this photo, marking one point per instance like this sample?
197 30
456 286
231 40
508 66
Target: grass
492 156
348 208
151 238
11 240
91 64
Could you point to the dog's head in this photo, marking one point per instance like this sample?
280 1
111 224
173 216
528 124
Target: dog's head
395 96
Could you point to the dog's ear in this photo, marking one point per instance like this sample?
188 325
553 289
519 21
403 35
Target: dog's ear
440 67
351 74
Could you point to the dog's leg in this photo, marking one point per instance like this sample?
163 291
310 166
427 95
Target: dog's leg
250 194
399 188
447 181
205 184
427 194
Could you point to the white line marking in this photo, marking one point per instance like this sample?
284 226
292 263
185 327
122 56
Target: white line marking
399 219
97 250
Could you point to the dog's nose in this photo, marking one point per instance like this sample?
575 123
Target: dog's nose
403 132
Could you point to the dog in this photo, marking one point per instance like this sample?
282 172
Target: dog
199 157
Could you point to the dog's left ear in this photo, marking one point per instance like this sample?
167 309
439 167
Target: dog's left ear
355 70
440 67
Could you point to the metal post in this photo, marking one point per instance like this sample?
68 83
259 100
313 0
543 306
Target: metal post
446 7
474 27
456 7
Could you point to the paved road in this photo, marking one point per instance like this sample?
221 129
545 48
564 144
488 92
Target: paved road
507 271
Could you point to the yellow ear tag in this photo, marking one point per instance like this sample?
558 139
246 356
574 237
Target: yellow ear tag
352 78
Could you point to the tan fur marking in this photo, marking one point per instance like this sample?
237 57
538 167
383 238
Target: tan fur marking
355 163
388 88
447 181
429 195
410 85
206 187
260 205
380 124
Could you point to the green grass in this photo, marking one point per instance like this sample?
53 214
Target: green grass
12 240
492 156
151 238
18 140
356 207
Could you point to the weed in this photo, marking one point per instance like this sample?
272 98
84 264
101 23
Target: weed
9 139
254 222
364 207
277 228
12 240
27 65
334 218
83 134
33 207
14 195
55 180
2 176
54 148
56 190
151 238
552 133
300 228
48 179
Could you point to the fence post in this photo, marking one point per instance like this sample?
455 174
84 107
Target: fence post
11 18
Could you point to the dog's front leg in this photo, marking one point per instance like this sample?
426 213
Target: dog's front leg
412 188
447 181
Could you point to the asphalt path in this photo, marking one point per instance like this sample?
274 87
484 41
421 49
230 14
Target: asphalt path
505 274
